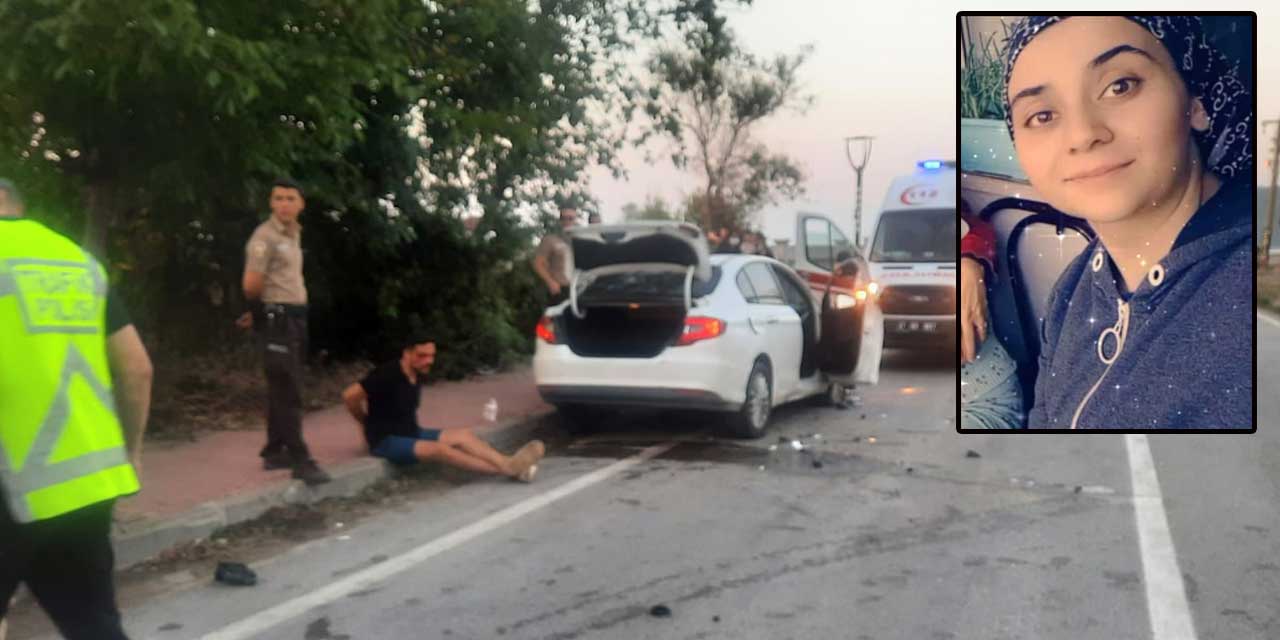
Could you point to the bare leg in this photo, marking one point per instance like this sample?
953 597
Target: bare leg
426 450
469 442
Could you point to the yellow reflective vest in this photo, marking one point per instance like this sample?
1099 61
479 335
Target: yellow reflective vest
61 444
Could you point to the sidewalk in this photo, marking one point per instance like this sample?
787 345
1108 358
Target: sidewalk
191 489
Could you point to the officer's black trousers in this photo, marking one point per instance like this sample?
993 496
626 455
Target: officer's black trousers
67 563
284 344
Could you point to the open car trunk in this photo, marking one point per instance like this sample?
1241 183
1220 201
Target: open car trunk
633 287
623 331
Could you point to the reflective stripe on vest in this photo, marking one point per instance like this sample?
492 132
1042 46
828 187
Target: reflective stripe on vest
61 445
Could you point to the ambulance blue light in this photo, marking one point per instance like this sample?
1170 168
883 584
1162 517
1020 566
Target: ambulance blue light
931 165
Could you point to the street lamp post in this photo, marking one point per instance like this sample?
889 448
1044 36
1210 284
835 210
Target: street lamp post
858 160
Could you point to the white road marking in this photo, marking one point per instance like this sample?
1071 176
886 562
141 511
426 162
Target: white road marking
285 611
1167 607
1269 318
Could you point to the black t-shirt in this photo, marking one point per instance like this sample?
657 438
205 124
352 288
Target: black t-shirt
117 316
393 403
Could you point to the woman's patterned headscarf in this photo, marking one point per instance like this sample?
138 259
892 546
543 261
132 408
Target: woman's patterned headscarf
1208 74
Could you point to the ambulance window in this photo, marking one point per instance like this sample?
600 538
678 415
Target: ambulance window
840 244
817 242
918 235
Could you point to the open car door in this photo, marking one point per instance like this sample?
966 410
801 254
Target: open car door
839 278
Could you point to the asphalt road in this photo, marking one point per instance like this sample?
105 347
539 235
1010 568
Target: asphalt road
897 531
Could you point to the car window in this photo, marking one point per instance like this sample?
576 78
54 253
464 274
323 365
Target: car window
765 285
817 242
744 285
794 294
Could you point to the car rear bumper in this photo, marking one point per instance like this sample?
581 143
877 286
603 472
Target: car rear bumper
696 376
653 397
908 332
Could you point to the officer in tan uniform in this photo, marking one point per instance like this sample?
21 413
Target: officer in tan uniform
277 306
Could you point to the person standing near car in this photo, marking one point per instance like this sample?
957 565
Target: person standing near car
276 296
75 390
553 261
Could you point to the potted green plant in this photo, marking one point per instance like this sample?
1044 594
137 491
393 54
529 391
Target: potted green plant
985 146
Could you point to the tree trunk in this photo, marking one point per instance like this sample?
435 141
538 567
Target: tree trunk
98 220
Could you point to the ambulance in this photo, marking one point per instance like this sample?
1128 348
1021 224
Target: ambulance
912 257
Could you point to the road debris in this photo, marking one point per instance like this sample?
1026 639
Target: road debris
1097 490
972 454
660 611
235 574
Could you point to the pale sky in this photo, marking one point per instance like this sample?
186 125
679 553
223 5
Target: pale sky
885 69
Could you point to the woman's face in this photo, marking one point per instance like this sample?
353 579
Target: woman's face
1102 120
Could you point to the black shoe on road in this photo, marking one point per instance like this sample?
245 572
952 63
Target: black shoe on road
310 473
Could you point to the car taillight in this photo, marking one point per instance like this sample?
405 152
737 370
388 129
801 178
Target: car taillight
698 328
547 330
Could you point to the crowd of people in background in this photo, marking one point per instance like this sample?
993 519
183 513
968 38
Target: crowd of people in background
725 240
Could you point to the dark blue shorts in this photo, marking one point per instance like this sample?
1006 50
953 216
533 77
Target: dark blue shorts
399 449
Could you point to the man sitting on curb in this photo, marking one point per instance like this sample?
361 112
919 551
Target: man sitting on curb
385 403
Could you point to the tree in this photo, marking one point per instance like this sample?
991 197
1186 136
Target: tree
654 208
156 125
705 96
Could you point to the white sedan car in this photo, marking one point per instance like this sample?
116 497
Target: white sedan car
654 321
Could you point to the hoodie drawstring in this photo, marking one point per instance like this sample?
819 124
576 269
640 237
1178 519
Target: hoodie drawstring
1120 331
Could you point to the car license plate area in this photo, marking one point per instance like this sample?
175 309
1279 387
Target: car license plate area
915 326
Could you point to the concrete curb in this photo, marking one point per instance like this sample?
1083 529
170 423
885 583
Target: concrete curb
141 540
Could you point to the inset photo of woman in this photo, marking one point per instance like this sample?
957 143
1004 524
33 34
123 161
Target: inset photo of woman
1107 195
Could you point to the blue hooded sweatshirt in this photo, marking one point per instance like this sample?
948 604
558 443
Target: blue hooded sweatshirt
1175 354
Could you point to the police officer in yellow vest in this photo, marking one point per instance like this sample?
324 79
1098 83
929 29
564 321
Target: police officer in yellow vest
75 389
